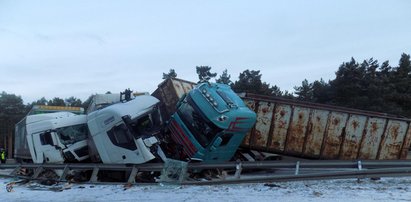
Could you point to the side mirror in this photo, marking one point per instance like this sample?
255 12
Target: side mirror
217 143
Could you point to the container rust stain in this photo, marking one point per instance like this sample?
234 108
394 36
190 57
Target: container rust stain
315 134
297 130
178 88
353 135
406 144
372 138
354 125
187 86
394 137
280 126
263 123
251 104
333 137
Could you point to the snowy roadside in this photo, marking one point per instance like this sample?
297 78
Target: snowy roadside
386 189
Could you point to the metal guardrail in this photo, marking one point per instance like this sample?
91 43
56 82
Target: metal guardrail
385 172
65 168
240 172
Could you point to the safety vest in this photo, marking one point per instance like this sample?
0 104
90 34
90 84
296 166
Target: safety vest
3 155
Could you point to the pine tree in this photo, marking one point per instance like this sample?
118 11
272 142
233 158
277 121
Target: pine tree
322 92
204 74
56 102
171 74
276 91
250 81
224 78
348 84
305 91
401 79
73 102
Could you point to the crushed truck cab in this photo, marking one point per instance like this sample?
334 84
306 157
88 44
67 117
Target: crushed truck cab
210 123
124 132
55 137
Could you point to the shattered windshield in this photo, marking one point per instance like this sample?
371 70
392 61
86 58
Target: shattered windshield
203 130
120 136
72 134
145 125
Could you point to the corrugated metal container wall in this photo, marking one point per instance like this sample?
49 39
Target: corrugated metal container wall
21 148
316 131
169 93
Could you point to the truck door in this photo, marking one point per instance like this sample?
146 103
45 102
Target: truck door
46 150
220 148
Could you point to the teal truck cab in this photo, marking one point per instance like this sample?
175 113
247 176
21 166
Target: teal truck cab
209 123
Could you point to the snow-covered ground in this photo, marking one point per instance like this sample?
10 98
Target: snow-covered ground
386 189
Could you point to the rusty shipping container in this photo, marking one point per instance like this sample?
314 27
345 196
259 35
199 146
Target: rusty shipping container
169 93
317 131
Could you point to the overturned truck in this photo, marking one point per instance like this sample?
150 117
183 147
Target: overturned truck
207 121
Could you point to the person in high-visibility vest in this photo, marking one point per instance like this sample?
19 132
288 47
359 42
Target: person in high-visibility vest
3 156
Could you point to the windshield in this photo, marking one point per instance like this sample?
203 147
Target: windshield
72 134
203 130
146 125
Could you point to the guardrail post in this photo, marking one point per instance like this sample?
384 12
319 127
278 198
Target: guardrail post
238 170
94 176
15 171
297 168
132 177
63 175
359 165
37 172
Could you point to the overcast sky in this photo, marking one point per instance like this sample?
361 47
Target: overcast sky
77 48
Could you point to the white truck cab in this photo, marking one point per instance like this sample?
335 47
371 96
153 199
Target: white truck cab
124 132
57 137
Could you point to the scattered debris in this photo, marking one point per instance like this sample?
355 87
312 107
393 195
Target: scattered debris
272 185
11 185
127 186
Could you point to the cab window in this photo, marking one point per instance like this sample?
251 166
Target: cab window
45 138
226 137
120 136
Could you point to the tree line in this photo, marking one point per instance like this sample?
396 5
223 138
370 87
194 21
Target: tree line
367 85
